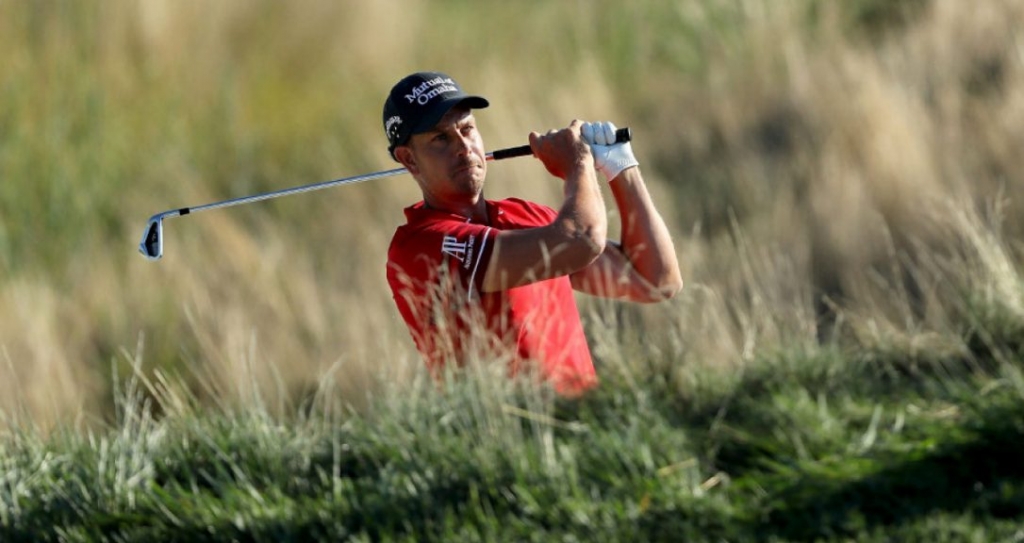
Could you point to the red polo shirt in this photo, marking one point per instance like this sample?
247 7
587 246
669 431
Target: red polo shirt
436 264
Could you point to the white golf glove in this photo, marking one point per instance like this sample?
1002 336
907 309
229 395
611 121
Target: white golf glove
610 158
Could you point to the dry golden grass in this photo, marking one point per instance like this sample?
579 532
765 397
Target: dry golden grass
820 179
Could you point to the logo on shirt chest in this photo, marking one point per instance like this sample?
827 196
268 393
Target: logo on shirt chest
452 247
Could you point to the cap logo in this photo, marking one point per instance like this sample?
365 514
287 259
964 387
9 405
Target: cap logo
394 121
424 92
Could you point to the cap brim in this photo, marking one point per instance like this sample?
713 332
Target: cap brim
429 121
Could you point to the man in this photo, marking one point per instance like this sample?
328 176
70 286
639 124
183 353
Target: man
494 280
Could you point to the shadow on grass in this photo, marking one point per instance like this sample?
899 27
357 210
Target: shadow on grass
968 466
982 473
735 427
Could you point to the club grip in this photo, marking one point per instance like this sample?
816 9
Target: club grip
622 135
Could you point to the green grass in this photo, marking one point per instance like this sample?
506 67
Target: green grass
830 445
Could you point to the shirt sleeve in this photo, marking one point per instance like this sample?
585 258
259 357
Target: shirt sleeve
465 250
462 250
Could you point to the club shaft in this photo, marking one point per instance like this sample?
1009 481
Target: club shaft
622 135
152 243
298 190
294 190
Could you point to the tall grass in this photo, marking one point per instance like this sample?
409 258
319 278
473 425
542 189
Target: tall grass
841 180
819 445
823 166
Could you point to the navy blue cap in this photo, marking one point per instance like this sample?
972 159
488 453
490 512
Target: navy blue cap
418 102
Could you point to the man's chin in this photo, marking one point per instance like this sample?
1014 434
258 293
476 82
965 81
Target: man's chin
475 186
471 177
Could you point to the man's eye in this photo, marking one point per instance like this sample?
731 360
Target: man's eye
441 137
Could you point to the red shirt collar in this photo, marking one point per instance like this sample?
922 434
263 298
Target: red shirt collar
421 212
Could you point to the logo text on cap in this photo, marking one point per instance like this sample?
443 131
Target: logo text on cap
424 92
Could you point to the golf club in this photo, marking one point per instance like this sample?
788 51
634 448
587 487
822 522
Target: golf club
152 244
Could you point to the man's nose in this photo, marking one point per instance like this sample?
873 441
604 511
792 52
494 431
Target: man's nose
463 144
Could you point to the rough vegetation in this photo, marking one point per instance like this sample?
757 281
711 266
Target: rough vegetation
842 180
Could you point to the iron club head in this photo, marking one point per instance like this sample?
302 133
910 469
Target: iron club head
152 244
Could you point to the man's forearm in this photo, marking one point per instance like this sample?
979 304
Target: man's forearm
646 241
582 215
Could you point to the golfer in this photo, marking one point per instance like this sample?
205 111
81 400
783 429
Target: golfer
494 279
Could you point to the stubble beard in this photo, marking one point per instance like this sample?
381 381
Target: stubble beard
471 181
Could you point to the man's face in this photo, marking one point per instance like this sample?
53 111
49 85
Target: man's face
449 161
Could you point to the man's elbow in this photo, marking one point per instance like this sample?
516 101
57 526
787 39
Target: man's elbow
585 250
670 287
597 239
670 281
664 289
587 243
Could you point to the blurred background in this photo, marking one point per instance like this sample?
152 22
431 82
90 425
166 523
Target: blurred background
841 172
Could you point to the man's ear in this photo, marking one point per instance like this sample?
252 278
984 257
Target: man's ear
405 155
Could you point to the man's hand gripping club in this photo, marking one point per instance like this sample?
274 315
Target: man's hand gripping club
610 158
